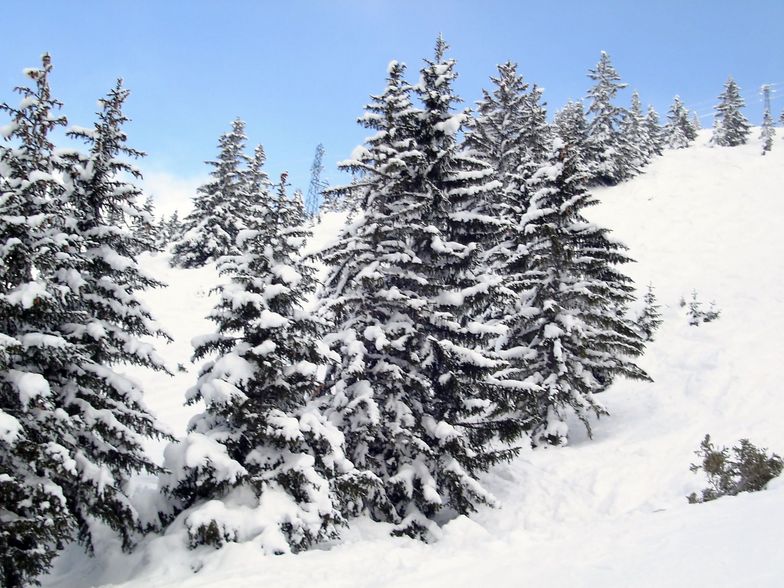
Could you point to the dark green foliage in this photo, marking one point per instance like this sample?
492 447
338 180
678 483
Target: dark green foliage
743 468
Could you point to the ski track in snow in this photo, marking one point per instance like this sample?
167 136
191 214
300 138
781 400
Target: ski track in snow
610 511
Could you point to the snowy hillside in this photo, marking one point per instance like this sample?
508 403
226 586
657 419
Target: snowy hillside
610 511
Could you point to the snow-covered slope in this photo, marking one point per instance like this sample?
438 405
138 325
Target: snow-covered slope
610 511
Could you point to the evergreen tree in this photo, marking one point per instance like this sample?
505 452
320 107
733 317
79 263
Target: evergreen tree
219 208
497 133
654 132
257 182
571 337
604 139
730 127
69 315
633 149
162 233
695 121
146 231
260 443
36 456
537 134
679 132
460 286
768 130
111 324
650 317
171 230
571 128
411 393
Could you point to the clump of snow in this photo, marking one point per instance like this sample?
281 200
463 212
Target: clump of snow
28 385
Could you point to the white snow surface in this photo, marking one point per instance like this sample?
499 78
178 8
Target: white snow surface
608 511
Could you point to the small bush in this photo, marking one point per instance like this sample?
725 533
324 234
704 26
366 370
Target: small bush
696 315
744 468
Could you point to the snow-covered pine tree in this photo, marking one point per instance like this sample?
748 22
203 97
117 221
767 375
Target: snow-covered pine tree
633 152
768 130
145 229
161 230
67 297
654 132
678 132
219 208
259 446
257 182
36 454
109 322
173 229
463 292
571 127
537 134
497 133
695 121
603 147
649 319
377 393
409 394
571 337
730 127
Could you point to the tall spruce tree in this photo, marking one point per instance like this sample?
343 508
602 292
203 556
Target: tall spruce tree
571 337
498 135
604 139
537 133
317 184
633 145
260 443
572 128
219 208
654 132
70 314
678 131
463 291
142 221
36 457
730 127
109 322
411 393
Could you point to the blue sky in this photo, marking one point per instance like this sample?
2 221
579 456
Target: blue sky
299 72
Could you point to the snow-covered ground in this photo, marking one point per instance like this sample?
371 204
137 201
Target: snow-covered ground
610 511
